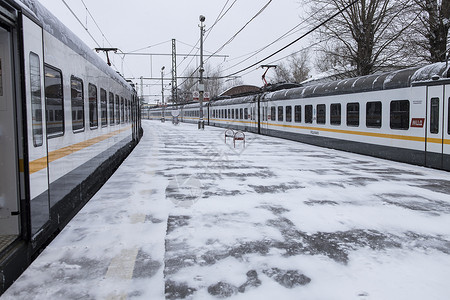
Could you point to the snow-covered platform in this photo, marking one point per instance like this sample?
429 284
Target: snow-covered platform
188 216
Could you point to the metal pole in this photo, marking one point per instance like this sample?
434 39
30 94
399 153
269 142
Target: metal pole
162 94
201 86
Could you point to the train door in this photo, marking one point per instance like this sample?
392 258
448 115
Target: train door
264 114
9 159
435 128
446 130
36 126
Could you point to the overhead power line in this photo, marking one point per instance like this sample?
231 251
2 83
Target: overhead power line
296 40
81 23
240 30
95 22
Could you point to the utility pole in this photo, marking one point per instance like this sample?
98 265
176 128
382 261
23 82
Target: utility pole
174 73
201 86
162 95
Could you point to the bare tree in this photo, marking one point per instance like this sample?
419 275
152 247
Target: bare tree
294 69
430 34
362 39
212 79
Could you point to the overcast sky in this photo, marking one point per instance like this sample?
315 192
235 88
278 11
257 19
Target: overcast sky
137 24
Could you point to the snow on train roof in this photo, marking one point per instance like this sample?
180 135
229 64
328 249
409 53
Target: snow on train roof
392 80
52 25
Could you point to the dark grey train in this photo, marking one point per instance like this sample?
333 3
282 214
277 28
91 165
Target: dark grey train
67 121
402 115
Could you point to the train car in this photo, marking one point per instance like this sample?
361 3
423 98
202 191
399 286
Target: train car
237 113
67 121
402 115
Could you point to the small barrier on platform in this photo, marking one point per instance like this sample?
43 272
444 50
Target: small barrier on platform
235 135
229 133
238 136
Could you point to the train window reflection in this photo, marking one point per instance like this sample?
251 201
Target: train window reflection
104 107
434 115
280 113
308 114
373 114
122 110
77 102
117 110
335 114
111 108
353 114
54 101
93 106
36 101
321 113
399 114
288 113
298 113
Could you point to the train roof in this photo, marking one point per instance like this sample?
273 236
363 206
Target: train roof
56 28
385 81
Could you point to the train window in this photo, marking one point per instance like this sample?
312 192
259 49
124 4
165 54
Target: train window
111 108
232 113
104 105
246 113
273 113
122 110
399 114
280 114
241 114
288 113
93 106
298 113
321 113
373 114
226 114
77 101
335 114
434 115
36 100
353 114
229 113
308 114
117 110
54 101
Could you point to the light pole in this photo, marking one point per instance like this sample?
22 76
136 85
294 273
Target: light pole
201 86
162 95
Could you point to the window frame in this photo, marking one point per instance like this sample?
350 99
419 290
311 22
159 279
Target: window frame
297 113
93 106
399 113
111 109
321 115
336 114
379 116
77 129
309 114
36 100
352 121
103 107
51 135
288 113
434 115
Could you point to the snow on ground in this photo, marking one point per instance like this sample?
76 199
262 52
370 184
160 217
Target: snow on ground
188 216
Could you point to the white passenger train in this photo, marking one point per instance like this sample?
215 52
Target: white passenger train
402 116
67 120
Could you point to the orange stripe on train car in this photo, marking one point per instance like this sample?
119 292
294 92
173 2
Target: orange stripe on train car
41 163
